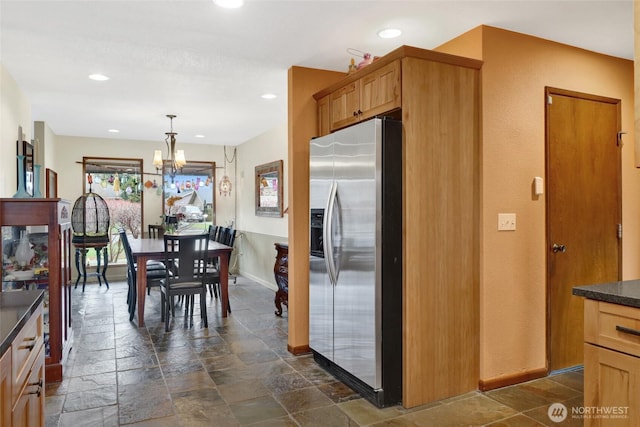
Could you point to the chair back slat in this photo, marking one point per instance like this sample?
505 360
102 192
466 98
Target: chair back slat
186 254
226 236
222 233
213 232
232 237
156 231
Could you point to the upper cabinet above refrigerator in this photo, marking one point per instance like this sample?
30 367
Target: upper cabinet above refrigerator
375 93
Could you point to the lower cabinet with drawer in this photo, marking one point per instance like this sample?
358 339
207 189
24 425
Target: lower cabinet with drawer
6 393
22 376
611 364
28 409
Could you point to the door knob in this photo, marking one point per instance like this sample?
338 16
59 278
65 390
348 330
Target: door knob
558 248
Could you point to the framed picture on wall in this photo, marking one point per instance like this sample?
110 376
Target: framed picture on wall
52 184
269 189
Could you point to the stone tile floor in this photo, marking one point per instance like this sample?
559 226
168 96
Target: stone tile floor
238 372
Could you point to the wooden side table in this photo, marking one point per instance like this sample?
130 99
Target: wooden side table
281 272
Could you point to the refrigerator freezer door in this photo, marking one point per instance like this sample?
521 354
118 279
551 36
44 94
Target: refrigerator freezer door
320 286
356 292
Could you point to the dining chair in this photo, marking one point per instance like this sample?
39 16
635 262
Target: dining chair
186 256
156 231
156 271
226 236
131 273
213 232
212 264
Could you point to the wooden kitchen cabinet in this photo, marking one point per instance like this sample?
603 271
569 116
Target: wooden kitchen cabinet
47 224
324 115
5 390
374 93
29 406
437 97
344 105
611 363
380 91
612 383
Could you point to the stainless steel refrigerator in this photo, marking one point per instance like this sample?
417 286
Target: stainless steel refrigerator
355 279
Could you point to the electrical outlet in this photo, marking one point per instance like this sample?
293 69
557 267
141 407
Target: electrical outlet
506 221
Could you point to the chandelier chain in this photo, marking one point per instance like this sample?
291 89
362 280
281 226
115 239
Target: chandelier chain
227 158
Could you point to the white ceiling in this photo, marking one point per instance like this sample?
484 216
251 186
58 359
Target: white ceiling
209 65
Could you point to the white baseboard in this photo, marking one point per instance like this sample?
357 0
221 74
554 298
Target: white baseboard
260 281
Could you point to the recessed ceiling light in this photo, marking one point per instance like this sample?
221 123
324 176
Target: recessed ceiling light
198 136
269 96
98 77
389 33
229 4
114 131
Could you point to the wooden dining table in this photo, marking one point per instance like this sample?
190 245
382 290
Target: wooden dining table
147 249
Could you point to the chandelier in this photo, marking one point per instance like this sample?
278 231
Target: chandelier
176 157
225 184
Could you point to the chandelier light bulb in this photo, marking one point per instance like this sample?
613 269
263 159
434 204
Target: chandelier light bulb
176 158
157 159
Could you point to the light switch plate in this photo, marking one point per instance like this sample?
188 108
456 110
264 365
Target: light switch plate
506 222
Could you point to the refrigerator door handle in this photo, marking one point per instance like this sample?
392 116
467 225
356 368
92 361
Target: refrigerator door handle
328 234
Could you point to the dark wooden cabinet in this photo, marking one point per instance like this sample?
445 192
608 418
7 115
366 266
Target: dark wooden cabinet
47 223
281 272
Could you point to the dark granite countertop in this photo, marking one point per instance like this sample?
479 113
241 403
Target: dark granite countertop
625 292
15 310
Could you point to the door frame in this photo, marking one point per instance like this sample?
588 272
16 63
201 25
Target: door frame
550 91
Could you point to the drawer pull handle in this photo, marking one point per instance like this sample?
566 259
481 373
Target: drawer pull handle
39 383
30 346
38 392
628 330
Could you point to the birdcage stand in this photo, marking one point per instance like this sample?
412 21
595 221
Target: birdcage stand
102 262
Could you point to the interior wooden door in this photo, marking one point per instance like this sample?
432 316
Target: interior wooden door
583 212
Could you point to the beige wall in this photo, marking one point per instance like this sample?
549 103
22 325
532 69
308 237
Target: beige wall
254 246
513 268
15 110
636 38
265 148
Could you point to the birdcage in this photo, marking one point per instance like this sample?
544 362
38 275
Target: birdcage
90 219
